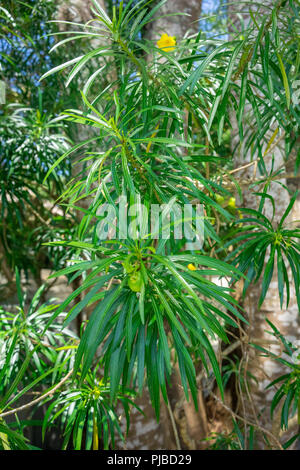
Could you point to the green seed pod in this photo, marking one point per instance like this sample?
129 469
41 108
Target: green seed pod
135 282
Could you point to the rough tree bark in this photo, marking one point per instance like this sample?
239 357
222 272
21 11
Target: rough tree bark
177 25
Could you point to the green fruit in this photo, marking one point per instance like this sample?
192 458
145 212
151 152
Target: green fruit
219 199
128 265
135 282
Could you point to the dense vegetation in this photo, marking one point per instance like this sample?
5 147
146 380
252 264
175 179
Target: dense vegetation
119 170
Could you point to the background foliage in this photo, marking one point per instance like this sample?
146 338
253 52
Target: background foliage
107 113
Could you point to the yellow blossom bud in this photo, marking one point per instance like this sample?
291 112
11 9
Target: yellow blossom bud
167 43
192 267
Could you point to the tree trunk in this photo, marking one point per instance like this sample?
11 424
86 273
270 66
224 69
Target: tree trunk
177 25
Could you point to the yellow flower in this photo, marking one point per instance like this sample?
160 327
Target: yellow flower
240 216
192 267
167 43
